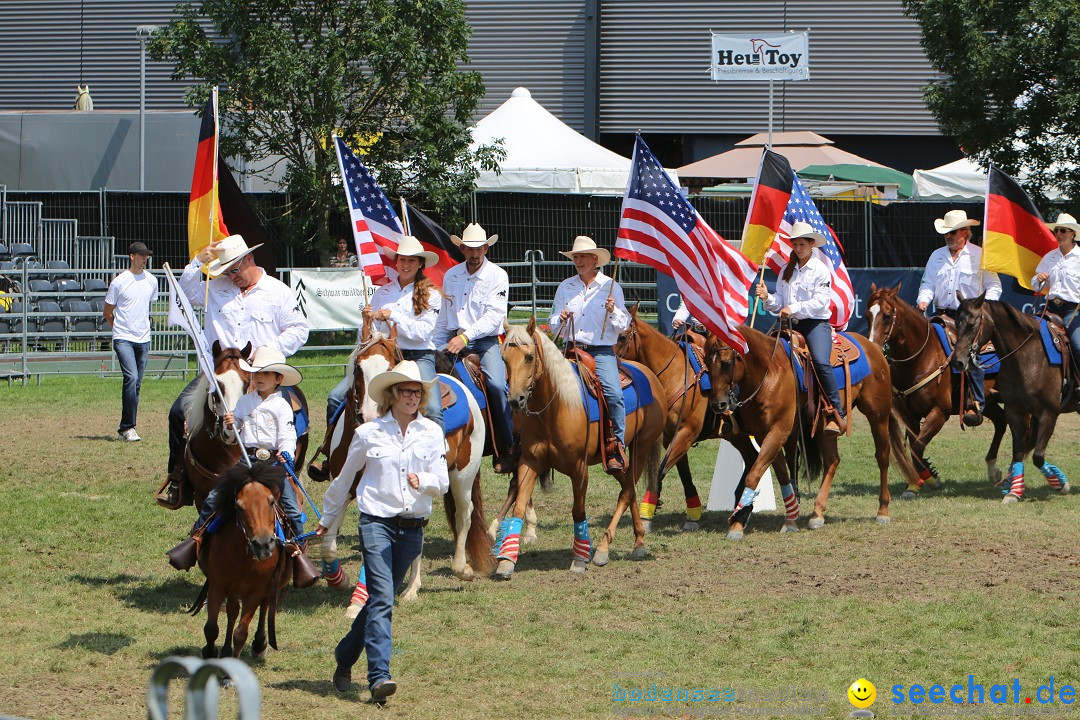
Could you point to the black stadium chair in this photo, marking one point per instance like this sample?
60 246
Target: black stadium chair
52 323
94 286
7 265
83 320
5 254
39 285
22 250
98 304
68 286
60 266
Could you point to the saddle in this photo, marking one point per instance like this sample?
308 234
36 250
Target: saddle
842 354
587 369
950 332
448 394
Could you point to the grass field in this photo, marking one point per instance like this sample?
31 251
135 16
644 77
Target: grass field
956 585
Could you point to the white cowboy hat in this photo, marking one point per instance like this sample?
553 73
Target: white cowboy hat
954 220
411 247
474 236
1065 220
800 229
404 371
584 244
229 251
268 359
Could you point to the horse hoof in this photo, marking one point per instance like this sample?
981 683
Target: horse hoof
691 526
883 519
909 495
528 538
465 575
789 529
638 553
1010 499
816 523
601 558
994 476
1064 489
646 525
578 565
734 535
408 596
258 655
505 571
352 611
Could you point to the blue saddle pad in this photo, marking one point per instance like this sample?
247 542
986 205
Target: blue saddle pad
1053 354
989 361
637 394
457 415
859 369
300 417
705 383
462 374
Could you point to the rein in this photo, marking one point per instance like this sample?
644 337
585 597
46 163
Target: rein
918 352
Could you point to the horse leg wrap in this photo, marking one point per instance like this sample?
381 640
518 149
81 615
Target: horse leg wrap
500 535
1016 480
791 503
360 593
331 570
1054 475
648 505
924 475
693 508
746 501
582 544
510 547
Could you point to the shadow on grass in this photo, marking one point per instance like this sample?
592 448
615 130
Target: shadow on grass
104 643
169 597
96 438
92 581
323 688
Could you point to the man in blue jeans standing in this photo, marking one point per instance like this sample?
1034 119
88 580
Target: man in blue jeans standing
127 310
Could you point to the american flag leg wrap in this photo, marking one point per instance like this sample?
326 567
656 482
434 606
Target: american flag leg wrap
1054 475
693 508
360 594
791 503
582 544
747 499
331 570
1016 480
648 505
510 529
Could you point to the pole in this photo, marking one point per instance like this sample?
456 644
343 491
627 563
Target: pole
142 112
404 216
611 292
768 144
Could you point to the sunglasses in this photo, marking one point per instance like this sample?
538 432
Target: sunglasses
410 392
1062 230
234 270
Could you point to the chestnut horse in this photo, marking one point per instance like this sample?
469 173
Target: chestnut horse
1030 386
556 433
923 388
244 564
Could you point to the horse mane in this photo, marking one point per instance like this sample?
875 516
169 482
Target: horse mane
562 373
1015 316
237 477
195 406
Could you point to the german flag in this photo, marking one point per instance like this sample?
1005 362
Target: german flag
435 239
1015 236
204 203
767 205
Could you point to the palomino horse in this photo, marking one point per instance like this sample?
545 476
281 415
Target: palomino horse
464 503
556 434
923 389
1030 386
244 564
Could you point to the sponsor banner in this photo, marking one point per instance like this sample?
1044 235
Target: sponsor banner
758 57
331 298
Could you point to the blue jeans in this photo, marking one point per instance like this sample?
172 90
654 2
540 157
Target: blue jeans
176 425
388 553
132 357
288 501
494 369
425 361
607 372
337 397
818 336
1074 338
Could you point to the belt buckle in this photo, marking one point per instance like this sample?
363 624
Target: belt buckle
262 454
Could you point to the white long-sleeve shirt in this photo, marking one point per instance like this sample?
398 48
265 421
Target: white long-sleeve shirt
807 294
682 313
414 332
1064 271
267 314
475 304
587 306
386 459
944 277
266 423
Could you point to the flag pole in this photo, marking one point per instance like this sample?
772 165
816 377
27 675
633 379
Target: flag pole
213 203
404 216
611 293
757 300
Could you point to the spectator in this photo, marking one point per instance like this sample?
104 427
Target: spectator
342 258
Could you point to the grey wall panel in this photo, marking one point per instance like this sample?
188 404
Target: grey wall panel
867 69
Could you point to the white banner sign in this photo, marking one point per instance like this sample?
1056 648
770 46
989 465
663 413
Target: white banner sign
761 57
331 298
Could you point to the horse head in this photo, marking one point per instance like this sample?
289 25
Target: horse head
255 494
232 383
726 368
376 353
974 327
523 355
883 308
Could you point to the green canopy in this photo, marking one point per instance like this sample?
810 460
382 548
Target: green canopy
868 174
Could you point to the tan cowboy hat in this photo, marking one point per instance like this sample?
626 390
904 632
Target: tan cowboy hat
411 247
268 359
1065 220
954 220
800 229
229 251
474 236
404 371
584 244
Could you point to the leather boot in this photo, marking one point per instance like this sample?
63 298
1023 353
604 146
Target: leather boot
185 555
170 494
616 457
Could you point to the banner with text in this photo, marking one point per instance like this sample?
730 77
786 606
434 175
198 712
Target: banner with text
758 57
331 298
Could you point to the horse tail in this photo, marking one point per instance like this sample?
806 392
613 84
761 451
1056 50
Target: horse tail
201 600
900 448
478 543
652 462
547 480
809 450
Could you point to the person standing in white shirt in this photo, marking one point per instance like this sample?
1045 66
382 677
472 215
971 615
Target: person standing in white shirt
400 456
594 304
1059 275
475 306
956 270
127 310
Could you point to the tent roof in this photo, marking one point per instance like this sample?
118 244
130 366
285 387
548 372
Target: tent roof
870 174
800 148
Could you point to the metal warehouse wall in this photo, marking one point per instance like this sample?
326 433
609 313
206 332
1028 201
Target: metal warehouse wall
867 69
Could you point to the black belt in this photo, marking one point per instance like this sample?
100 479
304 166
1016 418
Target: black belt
414 354
405 523
1060 306
591 349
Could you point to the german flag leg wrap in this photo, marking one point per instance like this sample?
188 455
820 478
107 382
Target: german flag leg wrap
791 503
693 508
582 544
510 547
648 505
360 593
1055 476
1016 480
331 570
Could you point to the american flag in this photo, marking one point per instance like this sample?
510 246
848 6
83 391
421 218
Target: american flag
661 229
376 227
801 207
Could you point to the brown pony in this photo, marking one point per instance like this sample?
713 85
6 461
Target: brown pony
923 388
244 564
1030 386
556 433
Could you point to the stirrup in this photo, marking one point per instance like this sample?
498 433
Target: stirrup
973 417
169 495
319 471
616 457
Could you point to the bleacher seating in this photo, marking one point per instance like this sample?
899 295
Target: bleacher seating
40 285
21 249
94 286
66 285
7 265
59 266
51 322
5 254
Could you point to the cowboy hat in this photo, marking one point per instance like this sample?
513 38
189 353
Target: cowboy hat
404 371
411 247
583 244
1065 220
268 359
474 236
229 251
954 220
800 229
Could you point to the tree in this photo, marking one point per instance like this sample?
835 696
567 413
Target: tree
383 74
1010 93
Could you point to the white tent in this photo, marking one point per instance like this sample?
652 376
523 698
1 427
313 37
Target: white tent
544 154
962 179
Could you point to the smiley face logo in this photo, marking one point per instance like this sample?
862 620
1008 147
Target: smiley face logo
862 693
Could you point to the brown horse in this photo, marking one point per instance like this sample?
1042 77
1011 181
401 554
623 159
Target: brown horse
924 395
556 433
1030 386
245 566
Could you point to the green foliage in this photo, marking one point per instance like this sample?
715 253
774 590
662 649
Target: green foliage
1010 91
383 74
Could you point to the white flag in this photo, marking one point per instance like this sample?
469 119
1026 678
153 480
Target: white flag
180 313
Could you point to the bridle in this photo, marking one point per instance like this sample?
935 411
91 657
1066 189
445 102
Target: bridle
241 513
538 357
892 327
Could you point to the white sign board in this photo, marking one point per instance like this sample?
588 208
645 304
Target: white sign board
760 57
331 298
726 474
